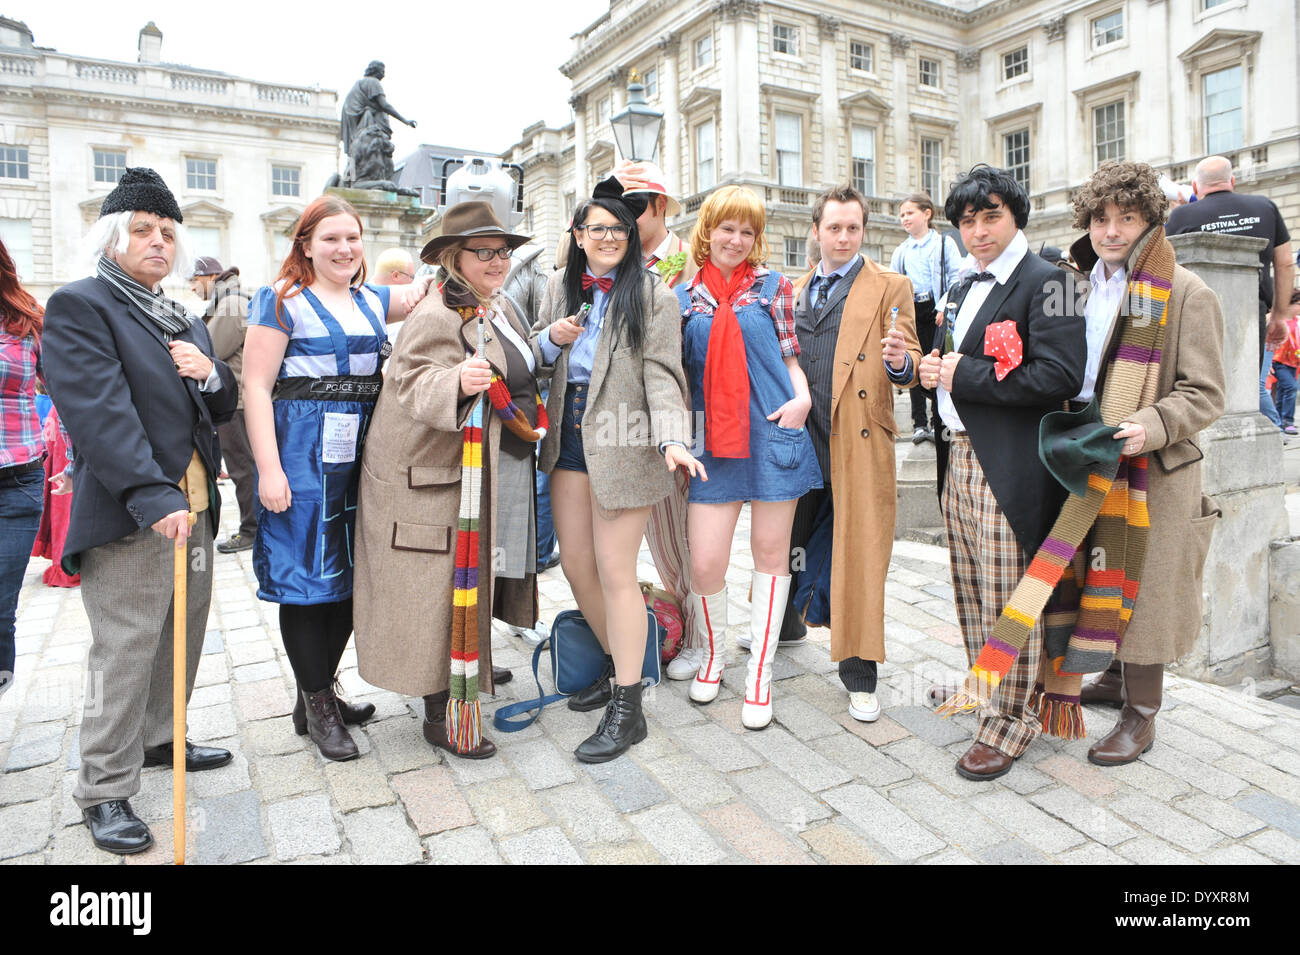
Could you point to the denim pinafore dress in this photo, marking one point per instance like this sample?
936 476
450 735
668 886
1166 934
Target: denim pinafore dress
304 554
781 465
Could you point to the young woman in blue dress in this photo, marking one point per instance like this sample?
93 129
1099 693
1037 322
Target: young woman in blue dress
312 356
741 358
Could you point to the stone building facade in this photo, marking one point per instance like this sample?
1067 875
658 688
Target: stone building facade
786 97
242 156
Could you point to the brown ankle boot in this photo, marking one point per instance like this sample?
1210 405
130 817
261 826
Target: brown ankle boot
1135 732
1106 689
325 726
353 714
435 729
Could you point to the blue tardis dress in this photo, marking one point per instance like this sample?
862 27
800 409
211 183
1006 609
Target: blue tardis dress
322 403
781 465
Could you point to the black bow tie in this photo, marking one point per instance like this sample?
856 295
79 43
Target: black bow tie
981 277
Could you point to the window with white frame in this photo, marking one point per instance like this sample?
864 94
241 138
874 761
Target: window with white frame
703 50
13 163
796 253
1224 130
604 109
1015 156
932 167
1108 131
201 174
928 73
17 237
788 138
570 205
1211 4
205 240
861 56
705 176
863 159
785 39
1015 63
286 181
109 164
1107 29
650 80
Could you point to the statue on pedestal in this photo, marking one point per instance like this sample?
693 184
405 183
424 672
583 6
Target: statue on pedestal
367 136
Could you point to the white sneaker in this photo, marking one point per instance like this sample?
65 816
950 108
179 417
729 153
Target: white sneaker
686 664
864 707
534 636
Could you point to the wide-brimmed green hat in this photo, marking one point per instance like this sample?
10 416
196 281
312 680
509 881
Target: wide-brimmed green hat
1072 443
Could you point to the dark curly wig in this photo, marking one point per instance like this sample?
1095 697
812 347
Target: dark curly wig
1130 185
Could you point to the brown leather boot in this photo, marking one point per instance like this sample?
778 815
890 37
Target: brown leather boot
353 714
325 726
435 729
1135 732
1106 689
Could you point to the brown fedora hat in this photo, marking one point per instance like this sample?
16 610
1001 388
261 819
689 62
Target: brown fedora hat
468 220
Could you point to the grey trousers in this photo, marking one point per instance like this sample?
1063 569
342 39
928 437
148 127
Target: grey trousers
127 590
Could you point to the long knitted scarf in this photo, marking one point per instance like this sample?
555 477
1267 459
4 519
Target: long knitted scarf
464 716
171 317
1084 628
726 374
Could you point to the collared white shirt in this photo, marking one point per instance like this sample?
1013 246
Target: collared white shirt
661 253
820 275
1099 315
1001 267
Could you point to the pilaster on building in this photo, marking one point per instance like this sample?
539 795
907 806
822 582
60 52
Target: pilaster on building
900 96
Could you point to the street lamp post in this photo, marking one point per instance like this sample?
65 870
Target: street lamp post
636 128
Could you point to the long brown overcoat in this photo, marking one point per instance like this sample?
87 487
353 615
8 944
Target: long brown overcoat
862 457
1189 398
408 507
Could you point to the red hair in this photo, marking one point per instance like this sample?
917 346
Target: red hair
297 272
20 313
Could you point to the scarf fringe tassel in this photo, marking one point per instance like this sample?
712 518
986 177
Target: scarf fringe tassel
975 692
1062 718
464 724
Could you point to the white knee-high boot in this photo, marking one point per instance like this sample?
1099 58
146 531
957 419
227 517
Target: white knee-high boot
711 624
768 605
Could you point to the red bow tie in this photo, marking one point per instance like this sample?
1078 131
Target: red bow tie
604 283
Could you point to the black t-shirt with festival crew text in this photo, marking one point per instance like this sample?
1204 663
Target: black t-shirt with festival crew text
1236 213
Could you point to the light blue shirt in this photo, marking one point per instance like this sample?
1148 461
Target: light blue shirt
821 276
919 260
582 353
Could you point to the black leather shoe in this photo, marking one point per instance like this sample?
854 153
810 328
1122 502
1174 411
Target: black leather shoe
596 695
197 758
501 675
621 729
235 543
115 828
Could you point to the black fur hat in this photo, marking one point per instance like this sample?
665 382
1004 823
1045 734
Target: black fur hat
611 188
141 190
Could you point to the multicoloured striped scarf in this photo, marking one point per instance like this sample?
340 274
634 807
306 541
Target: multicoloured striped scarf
1084 628
464 716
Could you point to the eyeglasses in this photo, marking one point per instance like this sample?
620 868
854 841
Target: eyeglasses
485 255
619 233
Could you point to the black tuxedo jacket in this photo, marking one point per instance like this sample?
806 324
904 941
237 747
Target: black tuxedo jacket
1001 417
134 422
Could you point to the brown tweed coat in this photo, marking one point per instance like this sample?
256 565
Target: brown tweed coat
635 401
1189 397
408 507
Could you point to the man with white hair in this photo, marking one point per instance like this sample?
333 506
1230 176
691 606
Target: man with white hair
394 267
1221 210
140 392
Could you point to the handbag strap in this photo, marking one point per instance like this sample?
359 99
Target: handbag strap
501 718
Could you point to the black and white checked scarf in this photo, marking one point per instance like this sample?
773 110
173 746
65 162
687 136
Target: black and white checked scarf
171 317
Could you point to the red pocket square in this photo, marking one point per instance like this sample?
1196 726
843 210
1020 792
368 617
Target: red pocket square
1002 343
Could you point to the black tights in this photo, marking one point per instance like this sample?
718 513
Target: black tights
314 638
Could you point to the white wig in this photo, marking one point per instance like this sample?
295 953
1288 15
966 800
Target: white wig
111 235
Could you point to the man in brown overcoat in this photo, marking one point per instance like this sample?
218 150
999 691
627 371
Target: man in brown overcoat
853 357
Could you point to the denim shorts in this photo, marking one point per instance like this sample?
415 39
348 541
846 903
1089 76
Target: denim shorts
575 405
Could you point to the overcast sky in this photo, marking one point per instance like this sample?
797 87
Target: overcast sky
471 74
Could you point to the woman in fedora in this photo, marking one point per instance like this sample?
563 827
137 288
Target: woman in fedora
618 396
445 526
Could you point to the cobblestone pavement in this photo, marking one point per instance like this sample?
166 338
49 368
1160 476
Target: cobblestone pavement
1221 785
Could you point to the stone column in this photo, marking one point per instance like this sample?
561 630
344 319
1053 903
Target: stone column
1242 471
904 180
670 153
579 103
970 147
834 165
750 103
1052 157
727 162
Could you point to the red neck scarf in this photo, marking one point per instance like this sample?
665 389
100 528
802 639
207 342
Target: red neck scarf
726 373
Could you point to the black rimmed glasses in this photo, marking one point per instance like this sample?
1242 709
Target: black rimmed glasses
618 233
485 255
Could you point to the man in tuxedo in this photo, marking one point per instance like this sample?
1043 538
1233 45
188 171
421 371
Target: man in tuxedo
1011 349
140 392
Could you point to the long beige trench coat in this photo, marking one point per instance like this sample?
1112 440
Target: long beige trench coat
408 507
1189 398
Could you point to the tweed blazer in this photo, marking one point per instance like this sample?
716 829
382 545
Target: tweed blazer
636 400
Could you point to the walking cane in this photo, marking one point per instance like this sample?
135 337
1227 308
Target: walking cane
180 607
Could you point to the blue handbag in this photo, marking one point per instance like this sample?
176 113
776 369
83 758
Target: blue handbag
576 662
